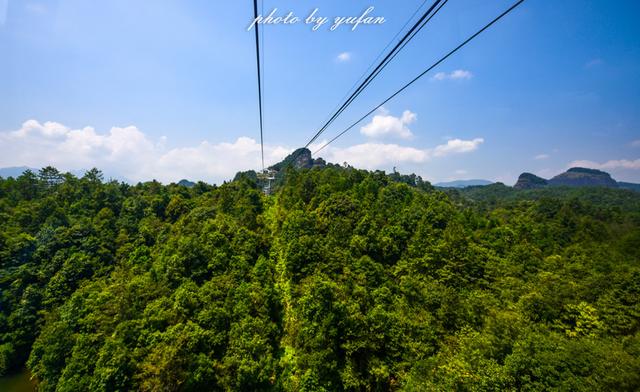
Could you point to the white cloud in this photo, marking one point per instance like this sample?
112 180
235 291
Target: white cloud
458 74
49 129
375 155
378 155
387 125
457 146
439 76
129 153
343 57
594 63
635 143
461 172
608 165
216 162
540 157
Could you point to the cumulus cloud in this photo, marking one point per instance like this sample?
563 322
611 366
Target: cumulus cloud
458 74
343 57
384 124
540 157
457 146
608 165
129 153
378 155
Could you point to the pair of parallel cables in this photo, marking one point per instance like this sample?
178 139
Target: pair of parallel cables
419 76
409 35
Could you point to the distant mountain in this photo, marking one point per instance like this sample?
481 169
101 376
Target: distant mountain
530 181
6 172
574 177
186 183
579 176
629 185
463 183
300 159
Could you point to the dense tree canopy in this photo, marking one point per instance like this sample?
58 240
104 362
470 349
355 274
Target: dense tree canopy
341 280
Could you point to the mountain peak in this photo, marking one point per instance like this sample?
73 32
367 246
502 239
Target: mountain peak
530 181
586 171
580 176
186 183
574 177
299 159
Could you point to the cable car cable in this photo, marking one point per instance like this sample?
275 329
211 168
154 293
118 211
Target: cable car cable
255 15
516 4
406 38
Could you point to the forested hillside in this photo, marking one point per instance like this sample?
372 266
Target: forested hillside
341 280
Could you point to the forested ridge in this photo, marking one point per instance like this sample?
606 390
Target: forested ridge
342 279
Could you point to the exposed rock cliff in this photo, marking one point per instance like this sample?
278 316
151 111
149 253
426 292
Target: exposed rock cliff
530 181
579 176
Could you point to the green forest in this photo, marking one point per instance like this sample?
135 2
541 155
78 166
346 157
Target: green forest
340 280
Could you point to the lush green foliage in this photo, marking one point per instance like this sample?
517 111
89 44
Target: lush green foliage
342 280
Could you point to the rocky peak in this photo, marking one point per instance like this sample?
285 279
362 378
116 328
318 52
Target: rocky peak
299 159
530 181
579 176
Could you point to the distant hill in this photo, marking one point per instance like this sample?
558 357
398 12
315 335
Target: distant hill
500 194
16 171
299 159
186 183
580 176
302 159
530 181
629 185
574 177
462 183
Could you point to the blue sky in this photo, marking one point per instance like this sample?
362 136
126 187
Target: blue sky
167 89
